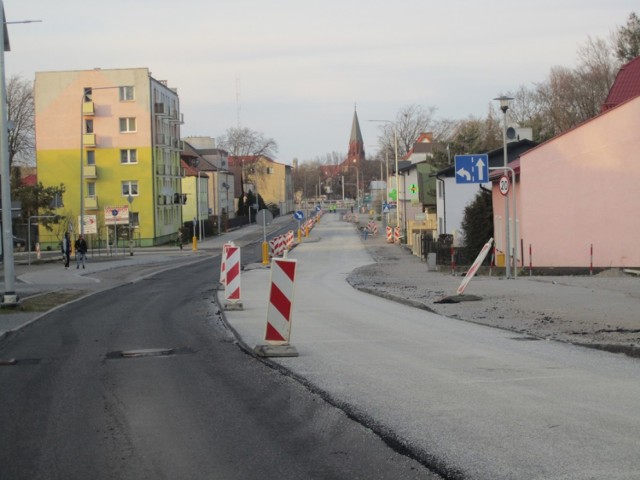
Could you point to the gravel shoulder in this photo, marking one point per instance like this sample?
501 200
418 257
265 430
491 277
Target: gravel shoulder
599 311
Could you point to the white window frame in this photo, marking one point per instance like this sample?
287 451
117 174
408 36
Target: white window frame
127 93
91 189
130 156
127 124
129 187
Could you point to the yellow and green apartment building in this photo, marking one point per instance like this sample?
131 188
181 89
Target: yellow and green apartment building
112 137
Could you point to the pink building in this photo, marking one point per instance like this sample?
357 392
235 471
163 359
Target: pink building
578 190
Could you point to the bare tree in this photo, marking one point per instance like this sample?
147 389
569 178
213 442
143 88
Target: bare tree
627 39
242 142
571 96
21 115
410 122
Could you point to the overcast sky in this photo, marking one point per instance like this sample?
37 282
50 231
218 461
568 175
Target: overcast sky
293 69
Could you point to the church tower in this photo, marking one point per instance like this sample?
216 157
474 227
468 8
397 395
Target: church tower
356 144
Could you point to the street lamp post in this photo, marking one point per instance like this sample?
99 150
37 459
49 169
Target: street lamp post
395 148
504 106
10 298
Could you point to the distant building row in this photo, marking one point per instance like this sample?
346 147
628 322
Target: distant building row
112 137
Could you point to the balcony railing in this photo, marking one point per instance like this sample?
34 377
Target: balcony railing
89 171
91 202
88 108
89 139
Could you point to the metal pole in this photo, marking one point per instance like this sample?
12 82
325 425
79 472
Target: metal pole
10 297
504 107
395 141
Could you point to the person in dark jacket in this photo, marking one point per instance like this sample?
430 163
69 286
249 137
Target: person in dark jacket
66 250
81 251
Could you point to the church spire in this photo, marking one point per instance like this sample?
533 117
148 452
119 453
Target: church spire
356 144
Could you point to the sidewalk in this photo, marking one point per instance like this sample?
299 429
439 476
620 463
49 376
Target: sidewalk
600 311
108 271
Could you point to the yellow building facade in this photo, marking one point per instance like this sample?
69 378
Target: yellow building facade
112 138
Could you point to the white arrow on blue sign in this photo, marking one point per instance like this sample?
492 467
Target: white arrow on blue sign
472 168
299 215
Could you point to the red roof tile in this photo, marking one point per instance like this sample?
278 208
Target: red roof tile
626 85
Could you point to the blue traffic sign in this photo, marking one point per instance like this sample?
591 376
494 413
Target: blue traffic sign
472 168
299 215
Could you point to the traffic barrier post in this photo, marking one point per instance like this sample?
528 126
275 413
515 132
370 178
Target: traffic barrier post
279 310
232 280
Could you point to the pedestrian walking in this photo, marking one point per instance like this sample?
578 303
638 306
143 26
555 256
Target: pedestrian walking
66 250
81 251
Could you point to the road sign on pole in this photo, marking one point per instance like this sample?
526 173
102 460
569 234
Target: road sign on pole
472 168
504 185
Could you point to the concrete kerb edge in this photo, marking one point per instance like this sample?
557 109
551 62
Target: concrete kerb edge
12 331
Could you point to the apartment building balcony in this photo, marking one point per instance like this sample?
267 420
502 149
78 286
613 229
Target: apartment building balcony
162 139
91 203
89 139
88 108
89 171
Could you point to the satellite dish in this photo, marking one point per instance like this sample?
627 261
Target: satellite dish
511 133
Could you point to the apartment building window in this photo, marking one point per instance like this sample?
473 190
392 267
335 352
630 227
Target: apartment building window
128 156
88 94
91 189
134 219
91 157
88 126
127 94
127 125
130 187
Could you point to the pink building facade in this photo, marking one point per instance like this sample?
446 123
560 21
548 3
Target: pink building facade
578 195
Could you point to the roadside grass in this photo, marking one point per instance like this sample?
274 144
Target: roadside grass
44 302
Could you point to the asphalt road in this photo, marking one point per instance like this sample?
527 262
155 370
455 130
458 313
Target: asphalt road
193 406
467 400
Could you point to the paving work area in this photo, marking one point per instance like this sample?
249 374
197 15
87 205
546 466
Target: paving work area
601 311
466 399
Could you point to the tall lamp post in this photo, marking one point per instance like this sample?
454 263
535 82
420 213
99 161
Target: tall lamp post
504 106
395 149
9 298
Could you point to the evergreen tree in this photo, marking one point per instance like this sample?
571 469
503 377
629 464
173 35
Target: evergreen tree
627 39
477 223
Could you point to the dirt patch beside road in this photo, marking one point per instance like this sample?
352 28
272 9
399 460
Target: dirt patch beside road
601 311
45 301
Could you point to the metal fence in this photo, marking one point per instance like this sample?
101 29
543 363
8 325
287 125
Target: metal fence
445 253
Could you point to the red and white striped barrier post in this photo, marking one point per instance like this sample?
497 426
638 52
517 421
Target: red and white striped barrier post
389 234
232 279
474 267
278 331
223 262
396 235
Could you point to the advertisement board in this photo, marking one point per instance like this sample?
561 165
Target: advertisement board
114 215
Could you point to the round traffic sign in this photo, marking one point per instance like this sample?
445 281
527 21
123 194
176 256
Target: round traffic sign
114 212
504 184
